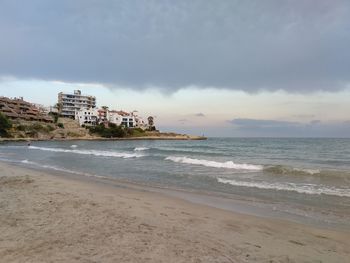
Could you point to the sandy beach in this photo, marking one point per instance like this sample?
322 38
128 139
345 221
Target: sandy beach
51 218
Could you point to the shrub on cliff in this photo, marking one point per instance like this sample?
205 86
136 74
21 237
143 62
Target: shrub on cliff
5 125
135 132
112 131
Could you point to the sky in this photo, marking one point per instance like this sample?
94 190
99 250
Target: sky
259 68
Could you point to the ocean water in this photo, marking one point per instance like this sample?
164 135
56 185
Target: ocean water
306 180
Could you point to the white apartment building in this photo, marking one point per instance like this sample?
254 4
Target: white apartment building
122 118
140 123
69 104
87 117
93 116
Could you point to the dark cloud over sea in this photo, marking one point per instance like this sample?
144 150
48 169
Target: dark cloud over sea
298 46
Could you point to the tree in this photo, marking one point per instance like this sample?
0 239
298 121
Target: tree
151 126
5 125
59 107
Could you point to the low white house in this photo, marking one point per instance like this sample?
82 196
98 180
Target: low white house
93 116
122 118
87 117
140 123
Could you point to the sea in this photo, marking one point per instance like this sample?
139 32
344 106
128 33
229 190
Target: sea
303 180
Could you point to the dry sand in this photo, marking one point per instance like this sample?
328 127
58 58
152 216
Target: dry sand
51 218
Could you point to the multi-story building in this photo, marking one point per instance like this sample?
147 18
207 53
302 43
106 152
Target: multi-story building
87 117
18 108
93 116
103 114
70 104
122 118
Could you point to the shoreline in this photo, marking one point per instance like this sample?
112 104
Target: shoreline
217 200
175 138
171 229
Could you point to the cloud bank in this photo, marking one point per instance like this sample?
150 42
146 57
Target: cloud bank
298 46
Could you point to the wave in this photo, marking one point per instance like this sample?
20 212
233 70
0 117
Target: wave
300 188
281 169
73 146
60 169
90 152
139 149
208 163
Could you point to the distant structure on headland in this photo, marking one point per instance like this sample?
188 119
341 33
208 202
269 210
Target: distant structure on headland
69 104
17 108
83 109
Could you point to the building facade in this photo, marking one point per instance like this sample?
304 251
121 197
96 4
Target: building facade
93 116
18 108
122 118
70 104
87 117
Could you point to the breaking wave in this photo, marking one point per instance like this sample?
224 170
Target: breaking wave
208 163
90 152
281 169
300 188
60 169
139 149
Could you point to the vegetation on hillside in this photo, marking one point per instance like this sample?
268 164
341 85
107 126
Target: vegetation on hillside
114 131
58 130
32 130
5 126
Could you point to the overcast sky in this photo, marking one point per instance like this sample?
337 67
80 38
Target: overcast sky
222 68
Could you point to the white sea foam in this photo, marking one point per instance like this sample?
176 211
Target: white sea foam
139 149
74 146
60 169
208 163
307 171
89 152
300 188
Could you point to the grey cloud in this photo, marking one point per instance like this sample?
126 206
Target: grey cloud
200 114
299 46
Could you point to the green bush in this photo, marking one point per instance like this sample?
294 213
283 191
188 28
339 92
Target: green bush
73 134
21 127
50 128
5 125
139 130
136 132
34 128
32 133
60 125
113 131
37 127
54 115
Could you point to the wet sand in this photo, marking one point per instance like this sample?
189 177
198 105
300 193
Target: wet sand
45 217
